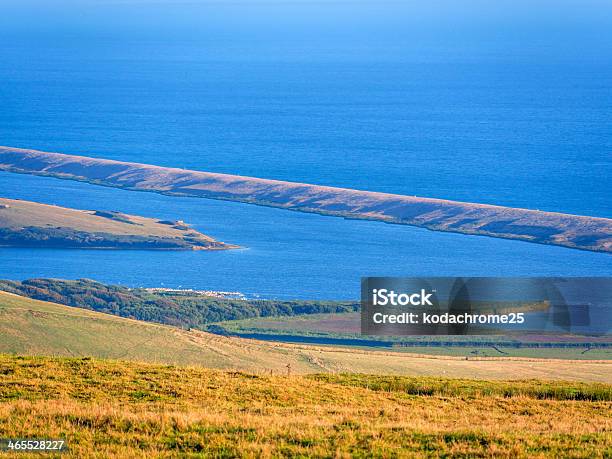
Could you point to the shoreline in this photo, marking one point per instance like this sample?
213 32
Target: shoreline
549 228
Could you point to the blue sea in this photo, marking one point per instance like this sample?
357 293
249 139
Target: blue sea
506 103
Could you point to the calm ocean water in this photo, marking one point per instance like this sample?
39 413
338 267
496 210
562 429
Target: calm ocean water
506 104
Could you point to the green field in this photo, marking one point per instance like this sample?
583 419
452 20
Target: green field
347 326
119 409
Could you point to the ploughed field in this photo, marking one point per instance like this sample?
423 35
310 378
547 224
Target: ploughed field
575 231
30 224
127 409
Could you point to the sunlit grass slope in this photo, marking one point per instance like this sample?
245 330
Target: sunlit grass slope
32 224
31 327
121 409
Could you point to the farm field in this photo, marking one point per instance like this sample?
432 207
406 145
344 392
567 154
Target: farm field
127 409
346 327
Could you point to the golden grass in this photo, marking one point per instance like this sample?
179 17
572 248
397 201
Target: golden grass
112 408
21 214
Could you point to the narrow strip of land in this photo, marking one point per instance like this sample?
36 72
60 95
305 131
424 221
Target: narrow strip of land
574 231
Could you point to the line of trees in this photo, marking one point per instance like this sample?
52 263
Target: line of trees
182 309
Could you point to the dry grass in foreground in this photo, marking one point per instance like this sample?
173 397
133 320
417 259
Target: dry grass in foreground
111 408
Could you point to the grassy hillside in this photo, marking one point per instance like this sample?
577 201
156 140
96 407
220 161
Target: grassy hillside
31 327
110 408
41 328
30 224
280 320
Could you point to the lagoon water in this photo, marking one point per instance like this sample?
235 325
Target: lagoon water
503 104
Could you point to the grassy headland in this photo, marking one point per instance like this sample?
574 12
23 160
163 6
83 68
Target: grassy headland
30 224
